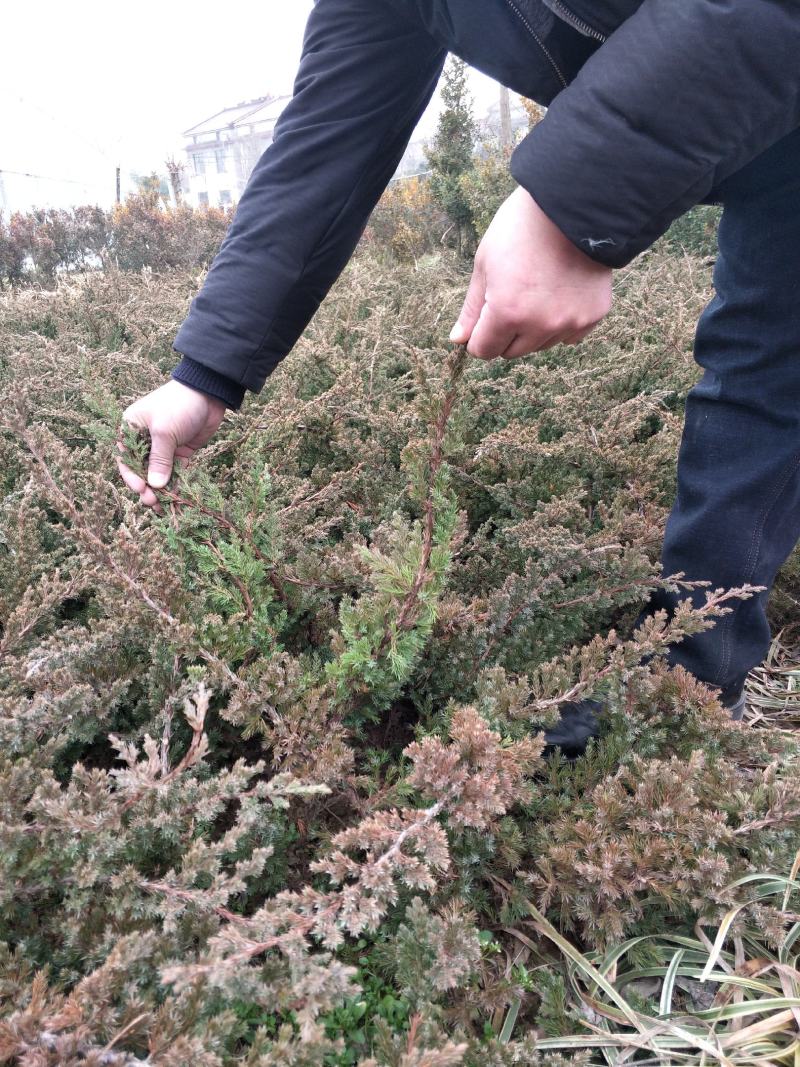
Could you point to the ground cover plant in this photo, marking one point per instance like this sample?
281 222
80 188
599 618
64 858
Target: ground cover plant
272 787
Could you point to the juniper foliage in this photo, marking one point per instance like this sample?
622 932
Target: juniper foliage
286 736
451 151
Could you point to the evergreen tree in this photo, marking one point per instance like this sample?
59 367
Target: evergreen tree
450 155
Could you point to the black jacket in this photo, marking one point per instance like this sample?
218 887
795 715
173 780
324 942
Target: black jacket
651 105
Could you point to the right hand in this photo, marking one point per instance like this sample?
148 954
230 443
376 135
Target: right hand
179 420
531 288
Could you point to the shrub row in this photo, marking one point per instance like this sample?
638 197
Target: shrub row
37 246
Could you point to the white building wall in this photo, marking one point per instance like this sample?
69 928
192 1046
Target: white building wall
219 165
210 178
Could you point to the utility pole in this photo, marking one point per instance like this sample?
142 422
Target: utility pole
505 118
119 198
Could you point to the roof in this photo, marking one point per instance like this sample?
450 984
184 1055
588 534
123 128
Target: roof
262 109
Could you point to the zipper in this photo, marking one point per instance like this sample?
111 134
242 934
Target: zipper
539 41
577 24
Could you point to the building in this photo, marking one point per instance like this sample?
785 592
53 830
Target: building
222 150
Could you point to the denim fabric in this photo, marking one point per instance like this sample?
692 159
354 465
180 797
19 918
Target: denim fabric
736 517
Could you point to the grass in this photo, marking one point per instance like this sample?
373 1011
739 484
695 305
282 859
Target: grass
702 1003
773 689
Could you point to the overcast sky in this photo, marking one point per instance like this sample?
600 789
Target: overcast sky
91 84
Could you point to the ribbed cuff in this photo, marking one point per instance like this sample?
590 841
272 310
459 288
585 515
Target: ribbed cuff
205 380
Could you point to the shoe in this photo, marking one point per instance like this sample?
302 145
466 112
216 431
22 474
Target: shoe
580 720
736 708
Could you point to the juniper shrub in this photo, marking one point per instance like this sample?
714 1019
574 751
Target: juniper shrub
284 740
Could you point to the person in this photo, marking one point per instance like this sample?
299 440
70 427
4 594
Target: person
653 106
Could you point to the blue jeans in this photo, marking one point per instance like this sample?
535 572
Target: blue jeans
736 517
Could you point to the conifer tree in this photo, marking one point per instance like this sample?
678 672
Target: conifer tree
450 154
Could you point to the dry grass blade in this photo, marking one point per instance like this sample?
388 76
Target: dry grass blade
755 1015
773 689
549 931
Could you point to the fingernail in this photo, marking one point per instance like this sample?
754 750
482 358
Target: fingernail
157 480
456 331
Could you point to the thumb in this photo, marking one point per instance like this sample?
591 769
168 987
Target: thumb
471 311
159 468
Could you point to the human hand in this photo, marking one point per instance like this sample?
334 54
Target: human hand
179 420
531 287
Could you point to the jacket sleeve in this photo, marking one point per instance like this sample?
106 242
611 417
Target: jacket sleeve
365 77
682 95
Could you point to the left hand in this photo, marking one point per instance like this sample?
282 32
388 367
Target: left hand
179 420
531 287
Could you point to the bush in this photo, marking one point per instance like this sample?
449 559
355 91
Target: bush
695 232
142 234
487 185
36 247
407 223
271 780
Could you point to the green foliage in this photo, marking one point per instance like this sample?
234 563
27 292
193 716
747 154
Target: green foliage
271 785
487 184
450 153
152 184
695 232
356 1022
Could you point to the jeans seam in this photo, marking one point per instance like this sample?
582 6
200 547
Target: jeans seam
776 489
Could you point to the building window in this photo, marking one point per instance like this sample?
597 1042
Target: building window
202 199
220 157
224 197
199 161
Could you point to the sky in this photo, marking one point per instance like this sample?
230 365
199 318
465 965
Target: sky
95 84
